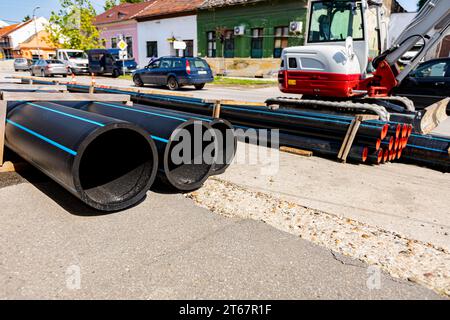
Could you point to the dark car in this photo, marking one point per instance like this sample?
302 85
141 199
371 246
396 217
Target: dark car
107 61
174 73
427 84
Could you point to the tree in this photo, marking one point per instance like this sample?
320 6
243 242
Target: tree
72 26
112 3
421 3
109 4
26 18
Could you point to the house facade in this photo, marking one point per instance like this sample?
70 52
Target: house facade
168 28
246 37
37 46
12 36
120 23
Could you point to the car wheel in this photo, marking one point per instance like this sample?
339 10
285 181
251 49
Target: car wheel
16 70
69 71
64 75
173 84
138 80
115 73
199 86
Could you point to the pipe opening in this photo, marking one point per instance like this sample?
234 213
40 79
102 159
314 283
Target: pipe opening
186 161
378 144
386 156
116 166
380 156
384 131
398 131
365 154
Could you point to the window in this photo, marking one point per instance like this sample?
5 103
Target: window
129 41
152 49
281 40
335 21
293 63
189 52
432 70
212 44
229 44
155 64
198 64
257 43
166 64
113 43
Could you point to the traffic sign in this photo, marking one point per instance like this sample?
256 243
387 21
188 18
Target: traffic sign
122 45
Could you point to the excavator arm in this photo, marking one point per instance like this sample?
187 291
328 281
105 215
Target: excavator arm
431 25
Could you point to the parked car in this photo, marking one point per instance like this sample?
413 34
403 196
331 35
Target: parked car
49 68
22 64
411 54
107 61
174 73
75 60
427 84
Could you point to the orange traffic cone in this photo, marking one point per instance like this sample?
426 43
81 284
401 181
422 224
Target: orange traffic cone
92 88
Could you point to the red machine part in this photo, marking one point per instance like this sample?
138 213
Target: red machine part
335 85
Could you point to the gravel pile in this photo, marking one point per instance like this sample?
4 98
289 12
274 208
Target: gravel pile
397 255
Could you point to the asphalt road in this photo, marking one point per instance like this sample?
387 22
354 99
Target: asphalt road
209 92
51 246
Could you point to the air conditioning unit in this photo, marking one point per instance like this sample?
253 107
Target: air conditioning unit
239 30
296 27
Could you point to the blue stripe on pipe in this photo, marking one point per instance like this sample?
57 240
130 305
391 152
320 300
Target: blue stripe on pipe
425 148
295 116
430 137
54 143
66 114
141 111
160 139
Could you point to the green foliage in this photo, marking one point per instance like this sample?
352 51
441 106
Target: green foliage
421 3
109 4
26 18
72 27
112 3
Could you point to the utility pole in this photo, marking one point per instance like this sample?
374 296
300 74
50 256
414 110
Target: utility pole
36 32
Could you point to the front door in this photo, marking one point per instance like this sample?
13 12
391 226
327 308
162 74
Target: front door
149 76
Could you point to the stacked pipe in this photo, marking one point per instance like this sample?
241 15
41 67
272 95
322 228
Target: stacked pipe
109 154
429 150
318 132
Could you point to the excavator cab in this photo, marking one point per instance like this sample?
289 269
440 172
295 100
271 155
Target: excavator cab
335 56
330 70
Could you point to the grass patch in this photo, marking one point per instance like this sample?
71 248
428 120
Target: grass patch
224 81
242 82
126 77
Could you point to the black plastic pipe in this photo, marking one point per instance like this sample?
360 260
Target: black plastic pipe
108 164
226 139
167 131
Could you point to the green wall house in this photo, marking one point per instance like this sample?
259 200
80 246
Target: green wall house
249 34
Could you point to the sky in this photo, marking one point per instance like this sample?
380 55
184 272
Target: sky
15 10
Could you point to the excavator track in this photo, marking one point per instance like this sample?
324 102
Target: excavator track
399 109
